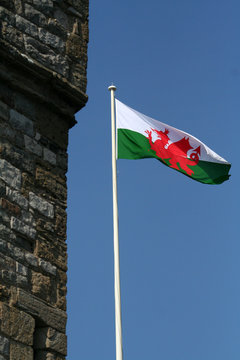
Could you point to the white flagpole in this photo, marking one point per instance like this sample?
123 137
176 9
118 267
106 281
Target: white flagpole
117 292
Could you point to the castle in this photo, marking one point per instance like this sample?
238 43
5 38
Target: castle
43 61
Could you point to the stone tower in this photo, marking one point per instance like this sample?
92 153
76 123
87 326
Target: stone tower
43 60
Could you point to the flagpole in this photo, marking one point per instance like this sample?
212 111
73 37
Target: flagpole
117 292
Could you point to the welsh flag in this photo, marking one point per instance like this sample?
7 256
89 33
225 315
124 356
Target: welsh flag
139 137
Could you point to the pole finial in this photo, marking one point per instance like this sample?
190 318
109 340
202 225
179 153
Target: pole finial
112 87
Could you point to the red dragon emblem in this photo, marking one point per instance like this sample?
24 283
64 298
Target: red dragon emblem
174 154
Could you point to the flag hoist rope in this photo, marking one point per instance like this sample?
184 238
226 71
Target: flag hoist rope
118 321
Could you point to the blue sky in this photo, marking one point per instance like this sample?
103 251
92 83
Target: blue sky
178 62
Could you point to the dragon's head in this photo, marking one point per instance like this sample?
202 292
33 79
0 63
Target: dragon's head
162 135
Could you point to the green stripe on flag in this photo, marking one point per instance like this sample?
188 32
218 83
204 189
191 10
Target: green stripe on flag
133 145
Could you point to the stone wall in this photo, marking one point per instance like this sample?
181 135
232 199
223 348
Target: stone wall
54 33
43 59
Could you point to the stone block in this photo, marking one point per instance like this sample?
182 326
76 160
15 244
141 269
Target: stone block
17 197
28 218
62 18
6 15
47 267
6 233
20 352
11 153
49 156
74 46
45 6
41 205
26 26
12 35
34 46
45 228
4 216
35 16
15 252
46 56
10 174
55 253
4 345
18 6
8 276
41 286
31 259
51 40
49 315
7 263
22 281
56 28
16 156
21 269
16 324
52 183
10 207
21 122
25 105
22 228
32 145
50 339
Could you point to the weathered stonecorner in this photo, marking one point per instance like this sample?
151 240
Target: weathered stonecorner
43 60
